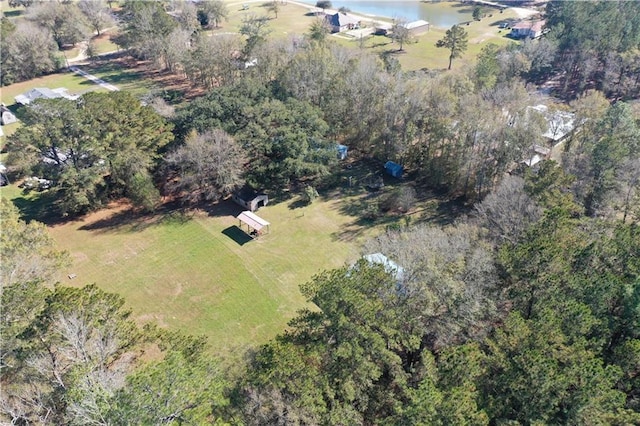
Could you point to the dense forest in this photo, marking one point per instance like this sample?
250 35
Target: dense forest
524 311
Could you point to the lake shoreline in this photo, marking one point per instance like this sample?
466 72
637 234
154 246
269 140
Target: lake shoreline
442 15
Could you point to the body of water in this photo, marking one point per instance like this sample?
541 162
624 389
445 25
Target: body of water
437 14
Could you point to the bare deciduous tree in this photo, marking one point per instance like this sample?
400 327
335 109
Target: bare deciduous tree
508 211
206 167
65 21
400 33
215 61
97 13
188 17
447 280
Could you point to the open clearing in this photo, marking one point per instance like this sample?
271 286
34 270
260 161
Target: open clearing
199 273
422 52
295 18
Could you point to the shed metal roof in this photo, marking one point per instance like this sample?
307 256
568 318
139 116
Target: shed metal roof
253 220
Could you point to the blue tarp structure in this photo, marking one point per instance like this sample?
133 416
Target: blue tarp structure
394 169
342 151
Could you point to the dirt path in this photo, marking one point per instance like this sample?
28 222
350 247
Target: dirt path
95 79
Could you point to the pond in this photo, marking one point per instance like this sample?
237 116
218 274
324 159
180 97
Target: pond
439 14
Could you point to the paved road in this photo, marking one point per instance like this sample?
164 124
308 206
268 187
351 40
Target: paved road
95 79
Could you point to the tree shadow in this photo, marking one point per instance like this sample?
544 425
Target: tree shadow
130 220
41 208
446 212
237 235
221 208
298 203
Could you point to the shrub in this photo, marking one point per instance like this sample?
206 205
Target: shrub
400 200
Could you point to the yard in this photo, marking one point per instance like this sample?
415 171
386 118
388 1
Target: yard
422 52
295 18
199 273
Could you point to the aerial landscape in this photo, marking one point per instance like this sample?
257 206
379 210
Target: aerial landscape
300 212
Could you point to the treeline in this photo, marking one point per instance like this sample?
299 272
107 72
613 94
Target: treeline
542 331
589 45
276 126
597 46
32 46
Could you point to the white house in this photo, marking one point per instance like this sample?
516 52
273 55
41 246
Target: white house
527 29
43 93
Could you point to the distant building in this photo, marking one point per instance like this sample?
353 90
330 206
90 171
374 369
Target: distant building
417 27
560 124
527 29
43 93
341 22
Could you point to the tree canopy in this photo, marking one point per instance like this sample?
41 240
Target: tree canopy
102 145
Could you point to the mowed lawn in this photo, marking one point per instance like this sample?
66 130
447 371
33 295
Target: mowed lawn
74 83
201 274
420 53
292 18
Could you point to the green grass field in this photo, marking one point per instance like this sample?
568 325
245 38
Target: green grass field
124 78
74 83
103 43
292 18
421 53
200 273
203 275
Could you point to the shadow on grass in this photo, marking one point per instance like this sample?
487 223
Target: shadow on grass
40 207
115 77
298 204
237 235
355 229
222 208
132 220
446 212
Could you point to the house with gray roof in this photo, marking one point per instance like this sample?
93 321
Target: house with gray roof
341 22
43 93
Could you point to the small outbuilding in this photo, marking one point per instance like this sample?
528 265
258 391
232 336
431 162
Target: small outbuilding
342 151
417 27
250 199
254 224
6 116
394 169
